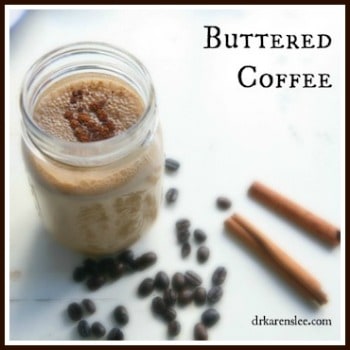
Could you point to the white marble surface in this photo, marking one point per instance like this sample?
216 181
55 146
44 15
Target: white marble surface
225 136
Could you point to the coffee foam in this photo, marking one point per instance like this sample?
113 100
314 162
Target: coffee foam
122 103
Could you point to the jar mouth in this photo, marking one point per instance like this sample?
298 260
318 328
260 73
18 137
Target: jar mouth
91 57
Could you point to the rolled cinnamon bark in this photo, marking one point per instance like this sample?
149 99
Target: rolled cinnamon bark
295 213
276 257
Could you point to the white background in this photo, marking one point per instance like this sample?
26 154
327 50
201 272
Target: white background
225 136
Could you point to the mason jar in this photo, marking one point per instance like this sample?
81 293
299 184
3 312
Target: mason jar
92 145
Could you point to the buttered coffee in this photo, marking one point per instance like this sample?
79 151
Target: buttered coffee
95 209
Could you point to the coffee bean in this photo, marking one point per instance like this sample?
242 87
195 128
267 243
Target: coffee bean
183 236
121 315
120 268
214 294
84 329
174 328
169 297
129 267
169 314
95 282
89 305
203 254
199 235
210 317
219 275
104 264
158 305
200 295
75 311
200 332
91 266
185 250
171 164
161 280
178 281
192 278
79 274
115 334
184 297
127 258
171 195
182 224
146 287
145 260
98 329
110 268
223 203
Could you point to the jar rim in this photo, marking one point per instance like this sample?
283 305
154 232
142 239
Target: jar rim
88 153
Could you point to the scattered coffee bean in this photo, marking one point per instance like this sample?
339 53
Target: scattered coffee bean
171 195
129 268
192 278
120 268
98 329
200 295
84 329
182 224
169 297
127 258
178 281
199 235
90 266
75 311
219 275
115 334
169 314
223 203
200 332
146 287
171 164
79 274
214 294
174 328
95 282
184 297
161 280
185 250
104 265
145 260
110 268
158 305
89 305
121 315
203 254
183 236
210 317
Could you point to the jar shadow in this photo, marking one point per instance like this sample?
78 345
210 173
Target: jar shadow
42 282
47 269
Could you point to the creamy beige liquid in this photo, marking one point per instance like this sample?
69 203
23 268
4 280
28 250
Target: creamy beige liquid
95 210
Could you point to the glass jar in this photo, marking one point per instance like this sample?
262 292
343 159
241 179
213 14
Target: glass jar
95 197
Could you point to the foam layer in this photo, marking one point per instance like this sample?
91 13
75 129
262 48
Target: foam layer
88 107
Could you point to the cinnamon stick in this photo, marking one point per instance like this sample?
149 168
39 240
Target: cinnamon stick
295 213
275 256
